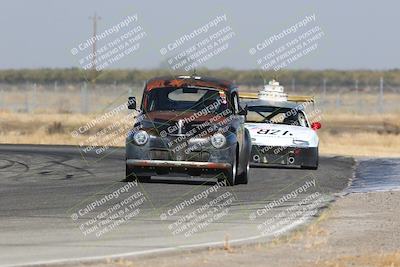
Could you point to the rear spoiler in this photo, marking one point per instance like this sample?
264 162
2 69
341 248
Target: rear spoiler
301 98
293 98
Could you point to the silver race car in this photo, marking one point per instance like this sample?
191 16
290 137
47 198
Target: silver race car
280 131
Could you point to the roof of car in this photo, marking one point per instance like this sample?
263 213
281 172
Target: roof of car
277 104
185 81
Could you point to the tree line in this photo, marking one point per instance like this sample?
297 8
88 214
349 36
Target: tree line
242 77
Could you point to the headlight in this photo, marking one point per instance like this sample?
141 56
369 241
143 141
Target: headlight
300 142
218 140
141 137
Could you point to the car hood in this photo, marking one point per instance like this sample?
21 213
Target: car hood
174 123
267 134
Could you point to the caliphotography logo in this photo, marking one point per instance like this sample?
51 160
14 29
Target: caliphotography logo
144 133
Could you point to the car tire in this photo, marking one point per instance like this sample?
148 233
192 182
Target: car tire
143 179
313 167
231 174
130 176
243 178
310 167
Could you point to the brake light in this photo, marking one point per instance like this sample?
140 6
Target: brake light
315 125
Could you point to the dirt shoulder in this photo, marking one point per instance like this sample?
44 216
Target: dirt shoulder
341 134
358 230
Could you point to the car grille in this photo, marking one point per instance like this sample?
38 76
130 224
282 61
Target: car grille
160 155
157 154
270 150
198 156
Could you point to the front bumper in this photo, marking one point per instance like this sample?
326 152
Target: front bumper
172 149
286 156
195 158
169 167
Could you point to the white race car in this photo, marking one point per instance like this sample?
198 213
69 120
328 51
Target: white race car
280 131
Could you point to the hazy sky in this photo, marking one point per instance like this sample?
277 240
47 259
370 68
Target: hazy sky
357 34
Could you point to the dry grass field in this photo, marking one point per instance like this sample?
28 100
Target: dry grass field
360 135
353 123
343 134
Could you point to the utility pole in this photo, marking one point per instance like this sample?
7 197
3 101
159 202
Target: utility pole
34 93
381 94
357 96
356 86
94 19
293 84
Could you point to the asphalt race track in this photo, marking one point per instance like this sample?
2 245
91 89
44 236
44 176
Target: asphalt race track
45 191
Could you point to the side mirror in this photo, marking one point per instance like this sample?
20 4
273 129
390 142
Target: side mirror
131 102
242 111
316 125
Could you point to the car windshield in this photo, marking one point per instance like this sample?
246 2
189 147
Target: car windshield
185 99
277 115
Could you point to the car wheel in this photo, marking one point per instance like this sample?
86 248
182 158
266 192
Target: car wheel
316 163
312 167
231 173
143 179
243 178
130 176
